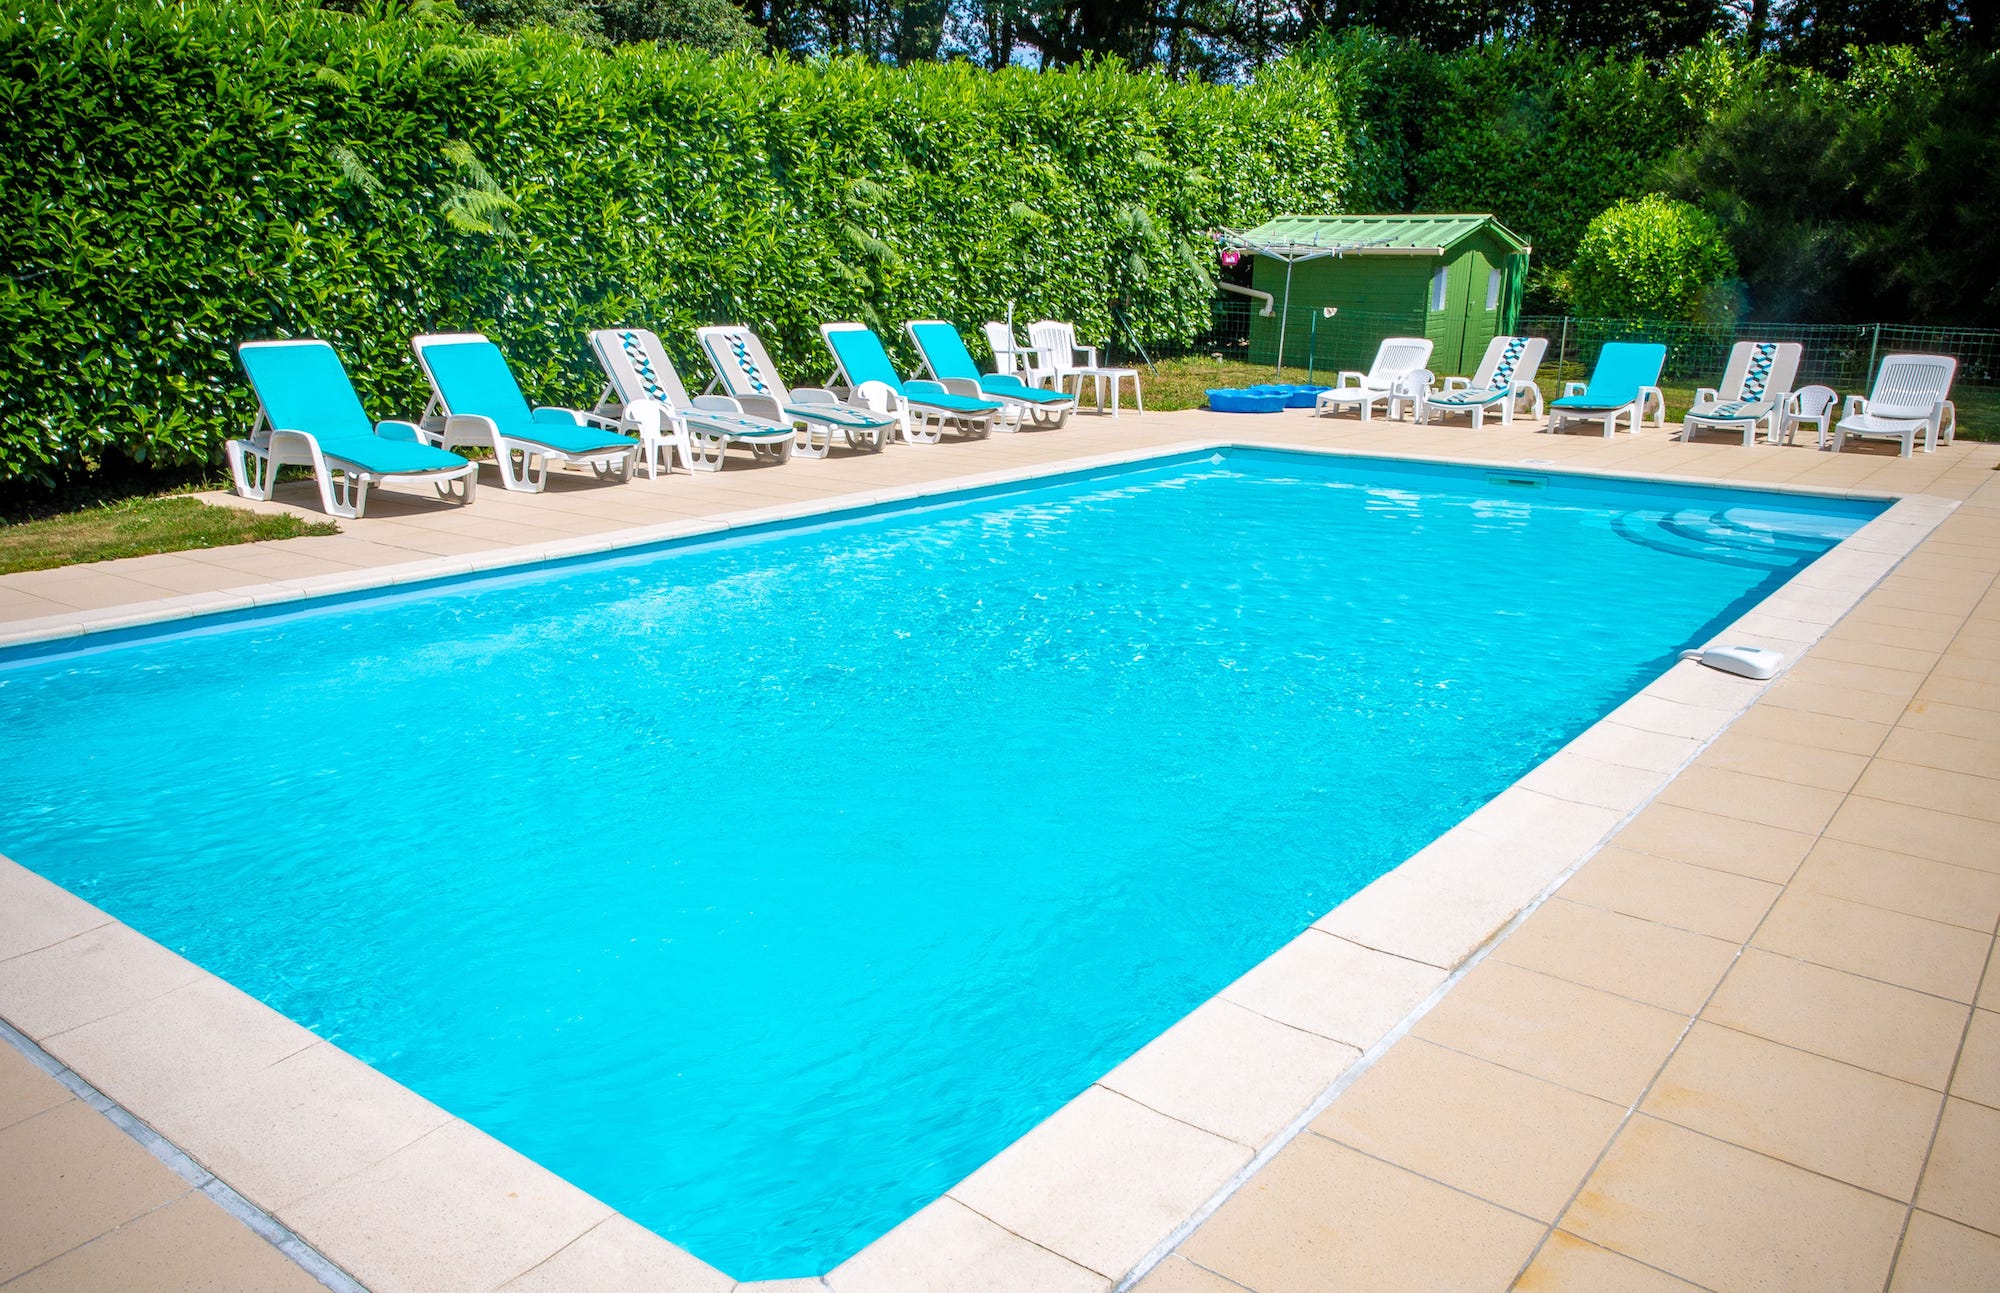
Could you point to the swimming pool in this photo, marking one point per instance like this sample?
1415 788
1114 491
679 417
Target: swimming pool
766 887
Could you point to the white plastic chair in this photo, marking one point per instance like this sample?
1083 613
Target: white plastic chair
1056 343
1397 376
1752 394
1808 406
1909 396
1010 357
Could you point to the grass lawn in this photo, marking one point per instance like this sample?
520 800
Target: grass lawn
137 527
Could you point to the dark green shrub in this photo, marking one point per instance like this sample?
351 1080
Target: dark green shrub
176 178
1652 258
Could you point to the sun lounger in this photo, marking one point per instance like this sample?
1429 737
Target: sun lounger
1397 376
924 408
476 401
1753 391
749 377
951 365
1505 377
645 397
1625 380
308 415
1911 395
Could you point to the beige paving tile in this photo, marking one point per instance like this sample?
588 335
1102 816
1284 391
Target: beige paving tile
1826 672
70 1176
1959 793
1752 799
1978 1074
1949 720
1943 960
1979 756
1961 691
1838 702
1879 656
1914 886
1179 1275
1725 1217
1232 1071
96 973
1942 1256
1859 1021
39 914
457 1210
1674 969
1581 1038
1962 1179
1129 1175
1784 761
1901 828
1632 747
1511 1139
1989 984
1321 1218
1815 731
620 1256
1567 1264
24 1089
1334 988
1715 841
188 1246
949 1247
1678 894
1816 1113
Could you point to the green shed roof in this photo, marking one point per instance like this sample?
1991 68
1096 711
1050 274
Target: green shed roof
1423 234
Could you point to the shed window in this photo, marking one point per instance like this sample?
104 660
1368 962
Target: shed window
1438 288
1492 289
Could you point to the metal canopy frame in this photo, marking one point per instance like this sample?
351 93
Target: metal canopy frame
1292 253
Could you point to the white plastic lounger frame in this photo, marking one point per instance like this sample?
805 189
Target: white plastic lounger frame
919 421
1055 343
1026 405
1504 379
1397 376
343 481
749 377
1911 394
524 457
1754 389
645 397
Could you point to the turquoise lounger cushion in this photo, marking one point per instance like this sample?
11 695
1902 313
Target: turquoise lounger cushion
1623 367
864 360
945 351
303 387
475 381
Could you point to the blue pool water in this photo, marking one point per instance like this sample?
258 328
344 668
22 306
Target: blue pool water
764 888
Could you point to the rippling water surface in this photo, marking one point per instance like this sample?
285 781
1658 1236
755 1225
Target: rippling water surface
765 889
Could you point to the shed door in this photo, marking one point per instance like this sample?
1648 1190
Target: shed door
1464 297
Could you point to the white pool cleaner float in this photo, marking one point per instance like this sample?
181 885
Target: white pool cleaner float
1744 661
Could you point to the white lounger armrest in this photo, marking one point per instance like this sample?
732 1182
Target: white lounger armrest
550 413
1341 382
1856 404
717 404
1707 395
1574 388
476 423
924 386
1457 384
813 395
962 386
397 429
766 406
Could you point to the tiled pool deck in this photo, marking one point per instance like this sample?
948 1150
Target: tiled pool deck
1754 1042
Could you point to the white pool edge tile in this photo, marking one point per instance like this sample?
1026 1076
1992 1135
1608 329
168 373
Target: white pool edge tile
1518 818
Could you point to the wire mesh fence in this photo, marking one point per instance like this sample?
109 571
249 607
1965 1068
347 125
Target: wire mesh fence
1320 342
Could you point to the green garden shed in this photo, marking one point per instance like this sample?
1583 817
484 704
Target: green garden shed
1457 279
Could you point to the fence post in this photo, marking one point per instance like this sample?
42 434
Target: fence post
1874 344
1312 342
1562 353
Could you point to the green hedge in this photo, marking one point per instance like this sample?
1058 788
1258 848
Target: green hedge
176 178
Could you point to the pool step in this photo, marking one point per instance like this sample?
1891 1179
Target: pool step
1753 540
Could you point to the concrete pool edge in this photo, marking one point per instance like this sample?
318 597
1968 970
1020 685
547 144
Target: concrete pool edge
1170 1151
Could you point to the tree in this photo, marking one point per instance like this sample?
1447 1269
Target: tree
1652 257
